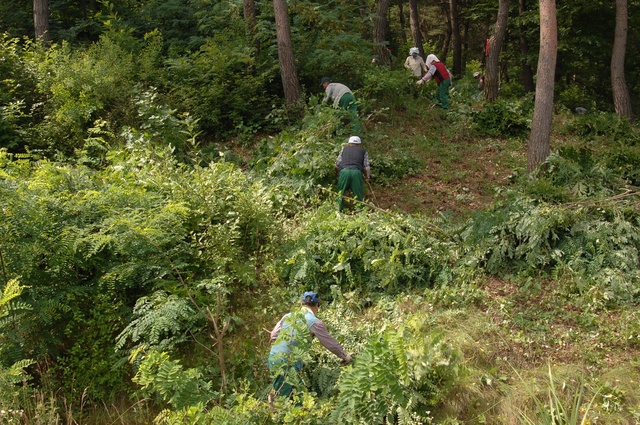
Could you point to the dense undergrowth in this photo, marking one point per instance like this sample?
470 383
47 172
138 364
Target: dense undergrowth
140 269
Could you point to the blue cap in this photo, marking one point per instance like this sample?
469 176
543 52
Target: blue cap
310 297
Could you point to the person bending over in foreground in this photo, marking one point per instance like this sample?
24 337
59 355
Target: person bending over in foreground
297 329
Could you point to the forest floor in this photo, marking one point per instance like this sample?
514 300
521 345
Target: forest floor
459 173
532 324
519 328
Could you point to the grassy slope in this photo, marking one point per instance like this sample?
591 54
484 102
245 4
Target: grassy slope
513 329
459 173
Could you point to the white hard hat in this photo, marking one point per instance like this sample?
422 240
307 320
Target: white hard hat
414 50
355 140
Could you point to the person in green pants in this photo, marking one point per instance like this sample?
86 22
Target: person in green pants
342 98
352 165
441 74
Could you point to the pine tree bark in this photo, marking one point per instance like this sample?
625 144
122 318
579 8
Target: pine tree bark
414 19
41 20
621 99
539 139
456 40
492 71
380 32
288 72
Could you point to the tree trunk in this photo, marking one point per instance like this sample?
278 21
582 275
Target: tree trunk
380 31
456 41
41 20
527 72
465 45
423 32
290 82
492 72
444 49
621 100
539 140
414 18
249 8
403 25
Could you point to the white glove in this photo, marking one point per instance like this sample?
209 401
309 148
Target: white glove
420 82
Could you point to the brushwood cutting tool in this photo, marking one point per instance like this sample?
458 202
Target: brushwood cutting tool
373 195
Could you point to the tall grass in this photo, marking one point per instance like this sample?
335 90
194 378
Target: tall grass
558 409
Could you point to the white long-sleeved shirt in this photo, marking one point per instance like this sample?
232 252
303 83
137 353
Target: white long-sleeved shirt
334 92
416 65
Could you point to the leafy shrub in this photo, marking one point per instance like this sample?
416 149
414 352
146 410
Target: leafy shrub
388 87
392 166
309 160
623 160
506 118
160 321
590 240
89 376
176 20
297 160
574 96
179 387
144 224
327 44
17 91
604 124
15 374
397 378
221 86
573 174
364 252
81 87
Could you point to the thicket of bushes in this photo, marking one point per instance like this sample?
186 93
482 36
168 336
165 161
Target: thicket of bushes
136 247
123 268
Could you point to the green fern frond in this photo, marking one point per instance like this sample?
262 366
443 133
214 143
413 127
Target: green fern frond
11 290
179 387
161 320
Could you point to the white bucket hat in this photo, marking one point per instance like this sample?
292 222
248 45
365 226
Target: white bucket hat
355 140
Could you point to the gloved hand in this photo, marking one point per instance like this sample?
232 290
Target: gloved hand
346 360
420 82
